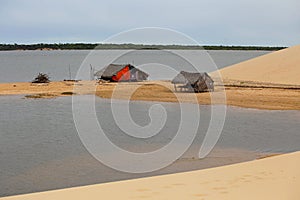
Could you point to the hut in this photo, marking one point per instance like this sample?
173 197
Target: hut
193 82
122 72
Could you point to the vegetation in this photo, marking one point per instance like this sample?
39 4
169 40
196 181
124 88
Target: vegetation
68 93
41 78
84 46
40 96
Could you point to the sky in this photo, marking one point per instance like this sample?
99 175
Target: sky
209 22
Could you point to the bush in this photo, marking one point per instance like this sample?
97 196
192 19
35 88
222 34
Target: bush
41 78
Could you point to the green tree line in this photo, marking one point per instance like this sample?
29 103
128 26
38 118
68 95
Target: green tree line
88 46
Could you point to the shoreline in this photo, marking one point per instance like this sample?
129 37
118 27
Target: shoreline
219 157
274 177
245 95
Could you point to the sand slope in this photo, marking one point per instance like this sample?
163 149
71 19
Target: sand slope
275 178
280 67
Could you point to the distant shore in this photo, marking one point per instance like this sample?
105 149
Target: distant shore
96 46
251 96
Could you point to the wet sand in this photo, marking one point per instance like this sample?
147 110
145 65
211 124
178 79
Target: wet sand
250 95
259 97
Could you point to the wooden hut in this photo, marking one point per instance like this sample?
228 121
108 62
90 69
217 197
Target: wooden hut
193 82
118 73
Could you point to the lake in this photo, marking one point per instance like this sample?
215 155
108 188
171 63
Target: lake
23 66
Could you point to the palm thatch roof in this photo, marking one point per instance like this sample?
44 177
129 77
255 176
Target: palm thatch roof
113 69
110 70
190 78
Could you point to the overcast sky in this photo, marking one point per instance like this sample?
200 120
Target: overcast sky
216 22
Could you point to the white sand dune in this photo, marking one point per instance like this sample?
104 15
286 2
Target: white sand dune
275 178
280 67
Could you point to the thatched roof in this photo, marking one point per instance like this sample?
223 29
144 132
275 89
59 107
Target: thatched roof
189 77
113 69
110 70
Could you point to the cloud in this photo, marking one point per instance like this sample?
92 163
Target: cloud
263 22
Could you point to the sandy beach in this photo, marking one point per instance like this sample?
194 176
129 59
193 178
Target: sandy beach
261 97
273 178
247 97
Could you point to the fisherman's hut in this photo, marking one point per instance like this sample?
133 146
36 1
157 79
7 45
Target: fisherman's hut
193 82
118 73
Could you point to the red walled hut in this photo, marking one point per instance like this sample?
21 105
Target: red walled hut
122 72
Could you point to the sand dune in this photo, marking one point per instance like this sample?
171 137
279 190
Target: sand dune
271 178
280 67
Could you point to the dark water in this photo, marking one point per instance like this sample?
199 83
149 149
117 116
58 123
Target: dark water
41 150
22 66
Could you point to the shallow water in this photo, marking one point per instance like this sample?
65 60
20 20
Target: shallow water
41 150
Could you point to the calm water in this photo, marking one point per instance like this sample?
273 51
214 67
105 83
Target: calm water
22 66
41 150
